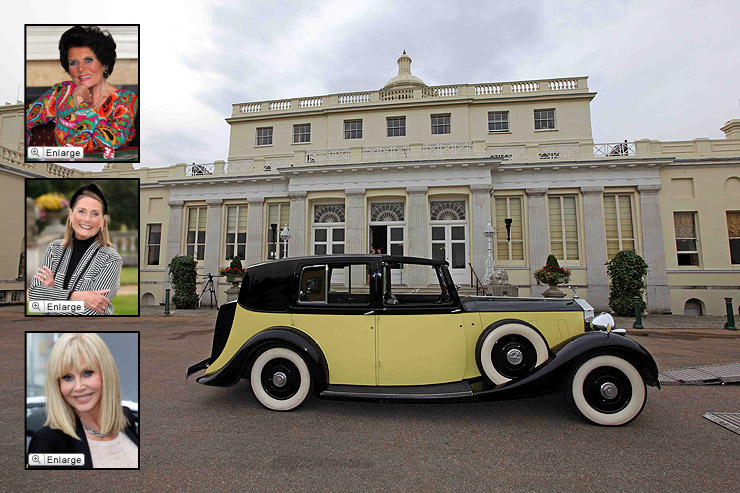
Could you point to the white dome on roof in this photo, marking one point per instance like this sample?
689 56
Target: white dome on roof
404 79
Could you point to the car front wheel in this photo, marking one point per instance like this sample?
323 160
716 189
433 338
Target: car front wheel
281 379
511 351
606 390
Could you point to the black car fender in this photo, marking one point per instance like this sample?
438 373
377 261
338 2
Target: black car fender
567 355
291 337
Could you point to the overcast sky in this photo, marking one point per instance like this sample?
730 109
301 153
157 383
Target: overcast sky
666 70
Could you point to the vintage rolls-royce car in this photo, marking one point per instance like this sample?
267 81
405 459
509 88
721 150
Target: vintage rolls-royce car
352 327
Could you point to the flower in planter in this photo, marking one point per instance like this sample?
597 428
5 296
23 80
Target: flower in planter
551 273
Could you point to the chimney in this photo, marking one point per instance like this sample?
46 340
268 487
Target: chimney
732 129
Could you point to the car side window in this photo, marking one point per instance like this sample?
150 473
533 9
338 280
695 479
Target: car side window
335 284
396 292
313 284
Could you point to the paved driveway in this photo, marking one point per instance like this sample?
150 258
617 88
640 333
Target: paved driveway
196 438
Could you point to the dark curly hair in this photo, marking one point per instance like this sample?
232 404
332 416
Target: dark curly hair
101 43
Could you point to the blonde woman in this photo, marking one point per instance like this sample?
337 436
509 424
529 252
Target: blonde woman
83 266
83 406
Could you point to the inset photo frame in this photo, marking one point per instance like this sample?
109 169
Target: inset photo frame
82 93
82 400
82 247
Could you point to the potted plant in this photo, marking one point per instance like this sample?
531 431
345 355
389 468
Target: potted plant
234 272
552 274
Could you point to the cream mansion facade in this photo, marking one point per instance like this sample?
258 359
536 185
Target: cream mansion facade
418 170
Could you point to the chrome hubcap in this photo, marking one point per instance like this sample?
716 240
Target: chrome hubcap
514 356
608 390
279 379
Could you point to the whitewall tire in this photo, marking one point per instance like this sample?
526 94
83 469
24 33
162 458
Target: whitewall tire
281 379
606 390
511 351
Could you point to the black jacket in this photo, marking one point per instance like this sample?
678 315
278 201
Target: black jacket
49 441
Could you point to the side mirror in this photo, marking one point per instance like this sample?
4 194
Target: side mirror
602 321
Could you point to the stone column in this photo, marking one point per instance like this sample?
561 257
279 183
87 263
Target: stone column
354 221
481 214
539 240
658 295
417 240
255 230
596 256
212 256
297 242
174 238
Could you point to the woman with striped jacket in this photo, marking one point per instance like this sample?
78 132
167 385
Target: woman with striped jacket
83 266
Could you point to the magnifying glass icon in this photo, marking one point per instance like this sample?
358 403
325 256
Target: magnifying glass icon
36 458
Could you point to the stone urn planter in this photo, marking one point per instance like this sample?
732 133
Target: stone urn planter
553 292
233 292
552 274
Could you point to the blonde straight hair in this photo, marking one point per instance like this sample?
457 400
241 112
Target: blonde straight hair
68 354
102 237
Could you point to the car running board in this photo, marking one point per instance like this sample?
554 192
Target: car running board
413 392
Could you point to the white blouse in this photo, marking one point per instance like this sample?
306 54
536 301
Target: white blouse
119 453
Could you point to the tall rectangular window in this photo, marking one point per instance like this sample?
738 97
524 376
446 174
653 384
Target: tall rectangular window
195 241
302 133
153 240
498 121
440 124
396 126
544 119
236 232
563 227
733 232
620 230
687 241
264 136
509 207
352 129
278 216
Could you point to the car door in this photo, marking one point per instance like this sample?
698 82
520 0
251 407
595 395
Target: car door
334 308
421 338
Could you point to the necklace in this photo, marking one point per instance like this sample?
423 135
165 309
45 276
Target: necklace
102 95
95 432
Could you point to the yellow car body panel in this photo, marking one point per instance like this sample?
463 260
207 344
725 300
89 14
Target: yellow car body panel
420 349
246 324
348 343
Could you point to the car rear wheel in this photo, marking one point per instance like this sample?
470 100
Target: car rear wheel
606 390
281 379
511 351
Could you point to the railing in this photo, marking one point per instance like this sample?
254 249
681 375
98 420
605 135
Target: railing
482 90
452 149
357 97
396 94
328 156
199 169
479 286
439 92
610 150
236 167
277 163
385 153
59 171
126 244
11 156
562 151
509 153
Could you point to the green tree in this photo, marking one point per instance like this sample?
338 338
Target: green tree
182 275
626 271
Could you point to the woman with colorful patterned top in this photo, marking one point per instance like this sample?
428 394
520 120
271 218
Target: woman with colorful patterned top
88 111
